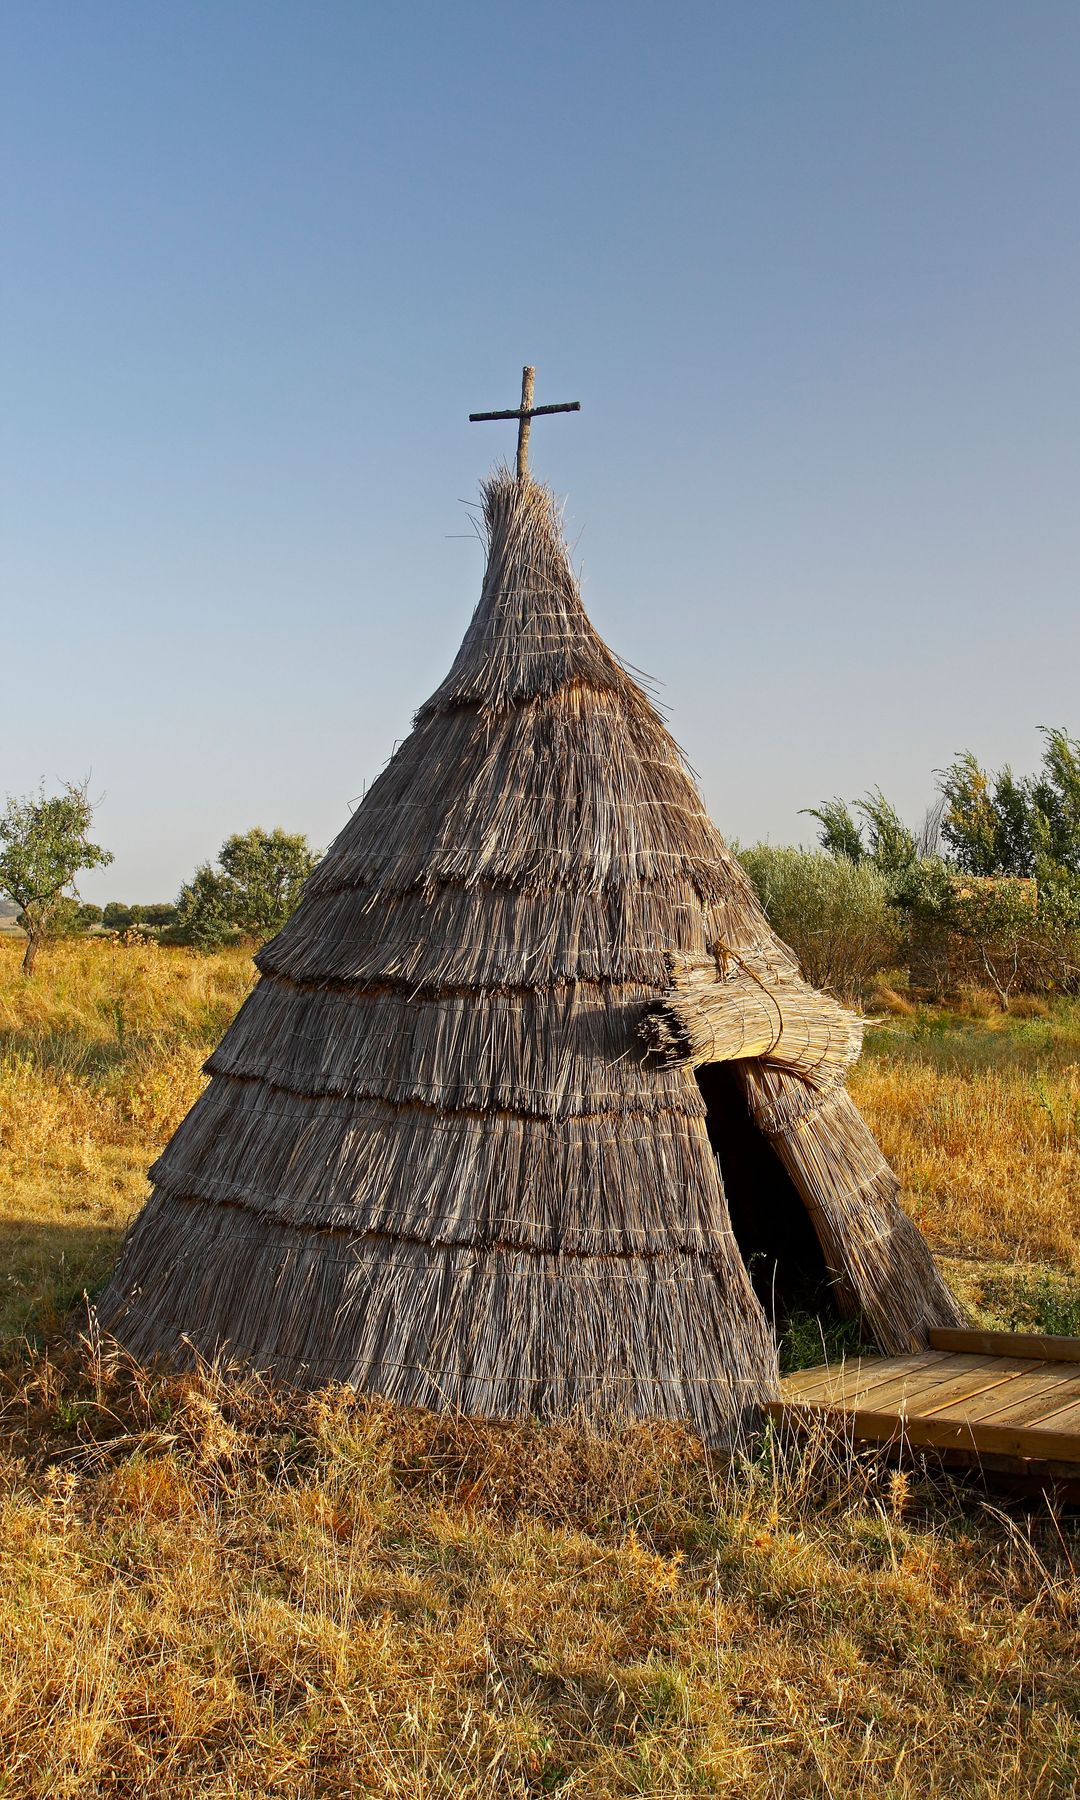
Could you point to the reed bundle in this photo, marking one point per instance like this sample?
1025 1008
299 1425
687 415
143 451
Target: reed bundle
725 1008
435 1157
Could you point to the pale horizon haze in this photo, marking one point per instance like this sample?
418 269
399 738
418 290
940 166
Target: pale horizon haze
812 271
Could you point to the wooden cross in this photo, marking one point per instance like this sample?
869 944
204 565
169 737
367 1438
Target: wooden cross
525 414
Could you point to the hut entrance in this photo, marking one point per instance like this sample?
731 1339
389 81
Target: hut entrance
778 1242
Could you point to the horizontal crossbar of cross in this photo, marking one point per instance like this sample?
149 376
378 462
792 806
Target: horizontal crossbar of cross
525 414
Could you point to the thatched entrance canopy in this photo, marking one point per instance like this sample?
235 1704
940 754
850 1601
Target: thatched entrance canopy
454 1148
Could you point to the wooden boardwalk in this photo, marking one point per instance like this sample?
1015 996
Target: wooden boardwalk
1007 1403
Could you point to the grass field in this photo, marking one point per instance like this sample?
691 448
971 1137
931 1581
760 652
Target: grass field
235 1593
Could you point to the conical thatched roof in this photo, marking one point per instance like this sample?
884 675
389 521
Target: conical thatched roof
453 1148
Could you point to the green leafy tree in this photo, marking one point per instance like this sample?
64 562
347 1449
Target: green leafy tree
886 840
44 844
253 891
158 915
267 870
1055 798
204 909
891 845
1002 824
839 834
969 824
1015 827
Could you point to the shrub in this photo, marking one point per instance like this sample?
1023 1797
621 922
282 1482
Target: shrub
977 929
834 913
156 916
159 916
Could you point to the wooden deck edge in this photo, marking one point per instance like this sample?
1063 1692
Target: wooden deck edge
1006 1343
1031 1443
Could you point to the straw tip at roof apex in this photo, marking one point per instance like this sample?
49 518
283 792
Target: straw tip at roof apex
530 636
506 498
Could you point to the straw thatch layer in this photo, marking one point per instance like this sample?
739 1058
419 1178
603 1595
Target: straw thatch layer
489 1331
547 1053
572 787
529 637
610 1184
437 1156
484 936
879 1260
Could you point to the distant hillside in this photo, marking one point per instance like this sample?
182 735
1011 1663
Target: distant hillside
9 912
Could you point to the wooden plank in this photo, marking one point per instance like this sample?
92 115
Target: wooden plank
877 1369
1040 1389
1006 1343
948 1381
1045 1443
1036 1409
997 1396
996 1373
823 1373
1062 1424
860 1376
918 1389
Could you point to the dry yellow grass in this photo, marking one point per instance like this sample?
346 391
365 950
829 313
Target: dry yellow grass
99 1060
230 1593
212 1592
981 1120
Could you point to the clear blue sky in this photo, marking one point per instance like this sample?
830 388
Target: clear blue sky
813 271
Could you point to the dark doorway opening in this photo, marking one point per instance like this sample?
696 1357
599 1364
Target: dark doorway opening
778 1242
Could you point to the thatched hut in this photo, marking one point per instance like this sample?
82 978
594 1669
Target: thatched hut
528 1090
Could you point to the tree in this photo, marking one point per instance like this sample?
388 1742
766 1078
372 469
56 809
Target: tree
969 824
892 845
1008 825
253 892
157 915
1056 800
44 844
888 843
204 909
839 834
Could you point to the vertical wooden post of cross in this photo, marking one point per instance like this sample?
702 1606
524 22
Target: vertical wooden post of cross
528 394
